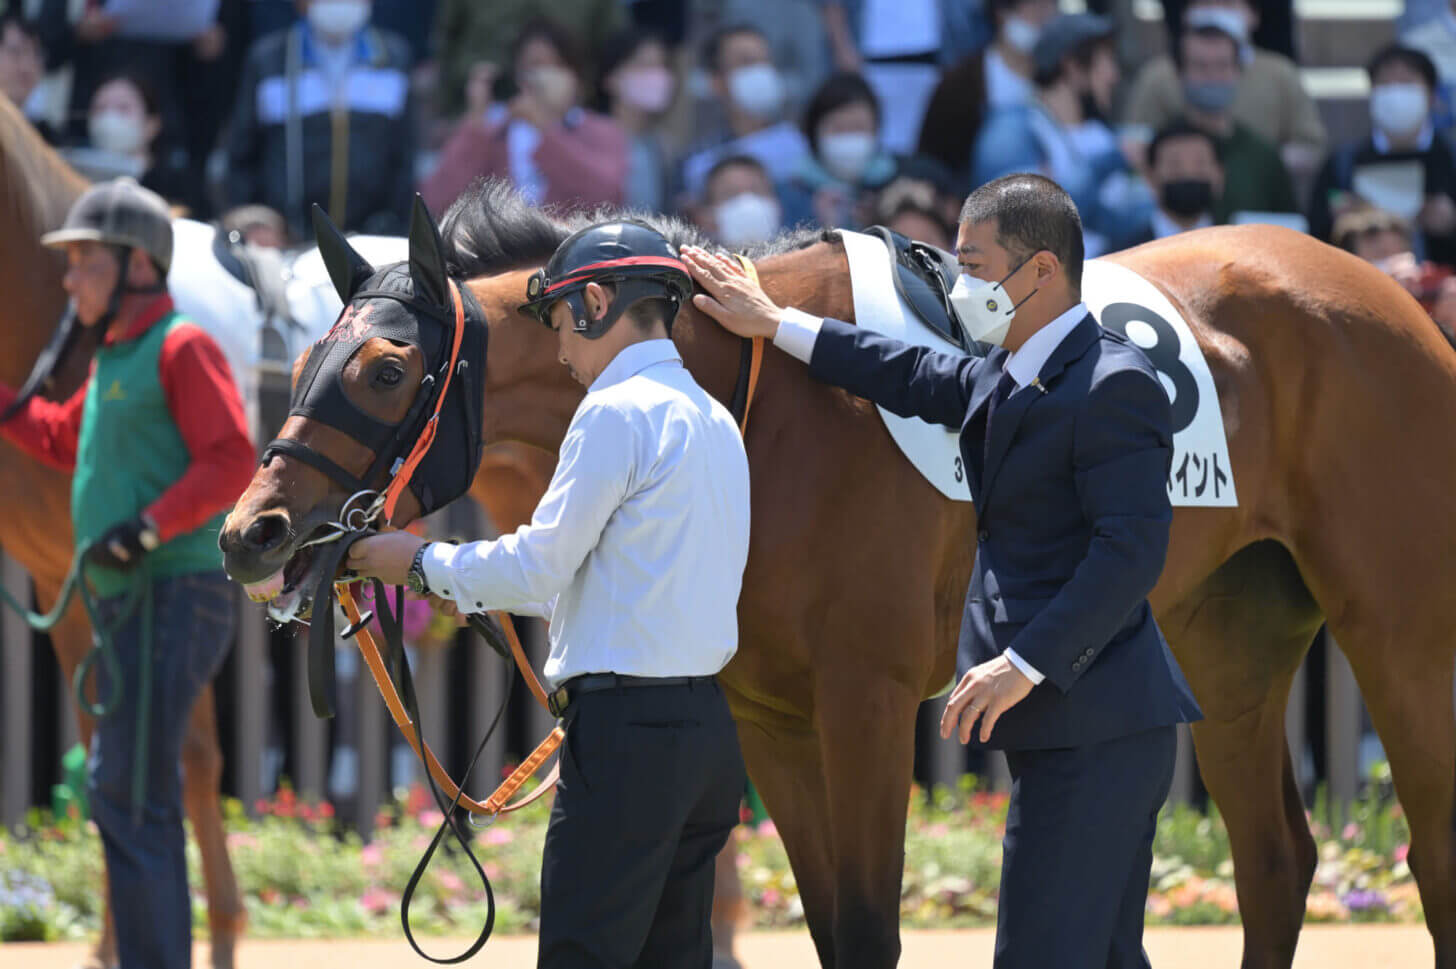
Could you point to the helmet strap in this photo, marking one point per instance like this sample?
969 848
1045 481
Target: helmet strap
629 293
113 304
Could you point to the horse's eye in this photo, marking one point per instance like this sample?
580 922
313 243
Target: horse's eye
389 376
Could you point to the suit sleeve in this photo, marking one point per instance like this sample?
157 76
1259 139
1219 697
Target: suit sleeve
204 403
903 378
47 430
1123 447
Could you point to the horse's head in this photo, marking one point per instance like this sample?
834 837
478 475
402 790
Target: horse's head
384 422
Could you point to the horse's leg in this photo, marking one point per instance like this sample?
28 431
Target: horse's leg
783 762
1407 688
867 728
201 784
1240 639
729 908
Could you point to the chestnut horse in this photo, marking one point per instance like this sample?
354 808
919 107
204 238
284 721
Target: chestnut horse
857 567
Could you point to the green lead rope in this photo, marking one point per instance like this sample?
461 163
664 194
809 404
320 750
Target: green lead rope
138 593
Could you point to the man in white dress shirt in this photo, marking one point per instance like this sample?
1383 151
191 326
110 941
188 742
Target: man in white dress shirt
637 552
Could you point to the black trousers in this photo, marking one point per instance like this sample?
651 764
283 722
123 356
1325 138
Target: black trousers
651 781
1078 852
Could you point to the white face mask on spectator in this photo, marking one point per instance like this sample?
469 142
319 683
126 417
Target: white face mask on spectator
1399 110
757 89
118 133
337 19
648 88
1020 34
846 155
746 218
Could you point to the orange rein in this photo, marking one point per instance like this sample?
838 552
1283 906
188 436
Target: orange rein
499 802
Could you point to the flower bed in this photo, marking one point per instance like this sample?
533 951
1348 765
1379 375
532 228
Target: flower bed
302 876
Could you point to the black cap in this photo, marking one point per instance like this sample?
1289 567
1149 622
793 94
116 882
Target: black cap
609 252
1065 34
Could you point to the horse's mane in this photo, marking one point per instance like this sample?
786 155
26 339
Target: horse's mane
492 228
37 187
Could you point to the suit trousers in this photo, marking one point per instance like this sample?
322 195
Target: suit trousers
651 782
1078 852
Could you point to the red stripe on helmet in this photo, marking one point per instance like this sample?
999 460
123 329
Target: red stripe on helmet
662 262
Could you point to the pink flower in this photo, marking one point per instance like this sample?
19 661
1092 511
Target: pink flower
431 818
238 839
451 882
371 855
1401 852
771 897
768 829
376 900
499 836
492 870
302 904
937 830
1351 832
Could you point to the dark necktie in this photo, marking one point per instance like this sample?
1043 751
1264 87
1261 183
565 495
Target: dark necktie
1004 386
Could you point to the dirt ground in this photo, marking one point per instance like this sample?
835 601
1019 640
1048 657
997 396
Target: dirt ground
1320 947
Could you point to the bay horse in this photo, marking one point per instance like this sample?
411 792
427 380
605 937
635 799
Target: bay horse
857 567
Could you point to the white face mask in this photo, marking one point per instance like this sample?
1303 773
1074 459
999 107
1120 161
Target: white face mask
1020 35
1399 109
757 89
984 307
746 218
554 85
846 155
115 132
336 19
648 88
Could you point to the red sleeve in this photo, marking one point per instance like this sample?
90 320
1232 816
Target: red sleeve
204 403
47 430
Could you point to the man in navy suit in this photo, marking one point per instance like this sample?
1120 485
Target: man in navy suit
1065 430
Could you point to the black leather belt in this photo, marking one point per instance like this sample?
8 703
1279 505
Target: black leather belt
561 698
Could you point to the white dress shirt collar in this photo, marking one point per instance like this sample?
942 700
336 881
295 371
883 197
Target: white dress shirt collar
633 359
1164 226
1025 364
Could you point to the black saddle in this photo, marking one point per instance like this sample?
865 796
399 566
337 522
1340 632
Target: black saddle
265 272
924 277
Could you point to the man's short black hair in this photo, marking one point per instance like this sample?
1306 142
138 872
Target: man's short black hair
1400 54
1180 128
1031 213
838 90
734 161
27 27
712 55
1205 32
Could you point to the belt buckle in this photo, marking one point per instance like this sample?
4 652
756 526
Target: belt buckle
557 702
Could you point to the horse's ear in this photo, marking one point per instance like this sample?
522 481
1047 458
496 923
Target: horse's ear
427 257
347 269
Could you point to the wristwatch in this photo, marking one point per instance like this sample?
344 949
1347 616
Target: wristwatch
415 578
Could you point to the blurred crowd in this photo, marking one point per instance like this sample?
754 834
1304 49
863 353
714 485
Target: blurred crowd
747 116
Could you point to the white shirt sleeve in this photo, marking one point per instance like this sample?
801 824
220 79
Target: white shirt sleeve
1027 670
797 333
525 571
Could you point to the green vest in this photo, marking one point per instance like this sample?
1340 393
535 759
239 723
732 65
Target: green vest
129 453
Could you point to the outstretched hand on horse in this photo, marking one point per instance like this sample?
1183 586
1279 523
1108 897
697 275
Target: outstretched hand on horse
733 298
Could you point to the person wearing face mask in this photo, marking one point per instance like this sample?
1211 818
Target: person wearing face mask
1403 165
541 139
1269 98
637 88
323 115
842 124
1064 136
1256 179
1066 436
739 207
750 95
124 137
1187 178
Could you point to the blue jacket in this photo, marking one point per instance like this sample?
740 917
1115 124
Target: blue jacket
1071 495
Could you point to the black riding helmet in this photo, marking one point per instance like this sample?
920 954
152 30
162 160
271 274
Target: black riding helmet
632 255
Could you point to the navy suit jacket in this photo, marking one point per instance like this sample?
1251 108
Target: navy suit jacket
1071 496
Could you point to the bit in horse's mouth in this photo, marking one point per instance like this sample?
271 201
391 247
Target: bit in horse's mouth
288 592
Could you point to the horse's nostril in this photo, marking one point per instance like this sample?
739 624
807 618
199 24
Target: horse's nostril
266 532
